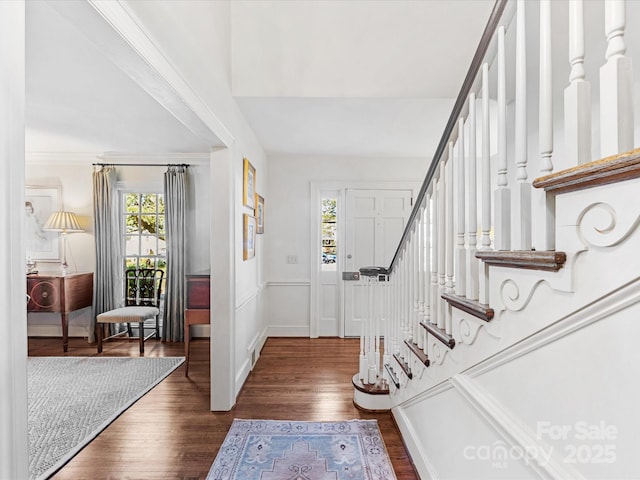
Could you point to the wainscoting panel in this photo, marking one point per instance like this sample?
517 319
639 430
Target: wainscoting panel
561 403
288 309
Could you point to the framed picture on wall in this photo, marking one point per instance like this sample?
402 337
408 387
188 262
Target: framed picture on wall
259 214
249 185
40 202
249 237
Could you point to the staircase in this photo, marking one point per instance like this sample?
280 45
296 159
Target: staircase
509 315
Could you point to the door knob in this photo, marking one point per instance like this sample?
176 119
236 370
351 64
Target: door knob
349 256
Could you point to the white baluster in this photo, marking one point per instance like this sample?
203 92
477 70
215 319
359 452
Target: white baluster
577 96
502 204
427 257
460 252
523 188
435 249
616 85
442 245
575 108
486 183
450 287
421 253
414 281
472 217
363 367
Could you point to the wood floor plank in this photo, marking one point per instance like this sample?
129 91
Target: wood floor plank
170 432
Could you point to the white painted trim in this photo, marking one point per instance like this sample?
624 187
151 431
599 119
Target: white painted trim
223 292
604 307
14 441
314 215
76 158
432 392
163 81
293 283
252 296
418 456
513 430
151 158
288 331
61 158
242 376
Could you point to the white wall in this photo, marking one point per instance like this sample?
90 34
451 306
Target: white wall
288 224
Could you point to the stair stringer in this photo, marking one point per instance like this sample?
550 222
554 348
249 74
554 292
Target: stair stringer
575 374
598 229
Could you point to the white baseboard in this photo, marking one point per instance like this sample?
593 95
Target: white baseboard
418 457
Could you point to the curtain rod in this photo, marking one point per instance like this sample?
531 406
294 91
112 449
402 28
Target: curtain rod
141 164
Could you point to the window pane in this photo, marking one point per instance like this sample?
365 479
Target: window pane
148 202
148 245
131 245
148 223
160 203
131 262
132 223
147 262
162 246
132 202
161 224
329 234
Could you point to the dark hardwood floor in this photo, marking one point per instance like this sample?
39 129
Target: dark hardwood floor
170 432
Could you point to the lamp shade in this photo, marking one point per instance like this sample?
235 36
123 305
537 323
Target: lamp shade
63 222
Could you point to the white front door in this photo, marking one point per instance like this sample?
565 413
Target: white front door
375 220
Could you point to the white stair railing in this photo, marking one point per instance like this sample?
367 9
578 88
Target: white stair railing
480 171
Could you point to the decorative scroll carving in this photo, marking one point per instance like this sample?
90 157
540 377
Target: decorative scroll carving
513 298
468 331
600 225
437 352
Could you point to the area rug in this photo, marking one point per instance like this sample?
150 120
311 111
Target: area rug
72 399
276 450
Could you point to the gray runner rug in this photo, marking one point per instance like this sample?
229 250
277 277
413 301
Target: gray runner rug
72 399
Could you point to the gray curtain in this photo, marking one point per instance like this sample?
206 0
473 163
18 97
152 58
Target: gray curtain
175 185
107 242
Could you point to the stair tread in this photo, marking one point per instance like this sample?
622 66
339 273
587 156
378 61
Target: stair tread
530 259
403 365
473 307
418 352
440 334
616 168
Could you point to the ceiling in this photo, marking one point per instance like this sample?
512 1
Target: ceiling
347 78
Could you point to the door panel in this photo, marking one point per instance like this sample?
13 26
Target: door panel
375 220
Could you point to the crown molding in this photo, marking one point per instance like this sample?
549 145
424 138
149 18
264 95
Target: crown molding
61 158
154 158
89 158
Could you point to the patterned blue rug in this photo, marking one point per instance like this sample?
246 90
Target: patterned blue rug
284 450
72 399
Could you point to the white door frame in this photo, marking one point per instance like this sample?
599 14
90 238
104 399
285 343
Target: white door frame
314 247
14 454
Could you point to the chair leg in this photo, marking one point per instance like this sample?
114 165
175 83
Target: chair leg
141 338
157 327
99 328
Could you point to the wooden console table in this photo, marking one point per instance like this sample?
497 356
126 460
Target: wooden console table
197 311
61 294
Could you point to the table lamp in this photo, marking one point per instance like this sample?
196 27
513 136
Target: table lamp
63 222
